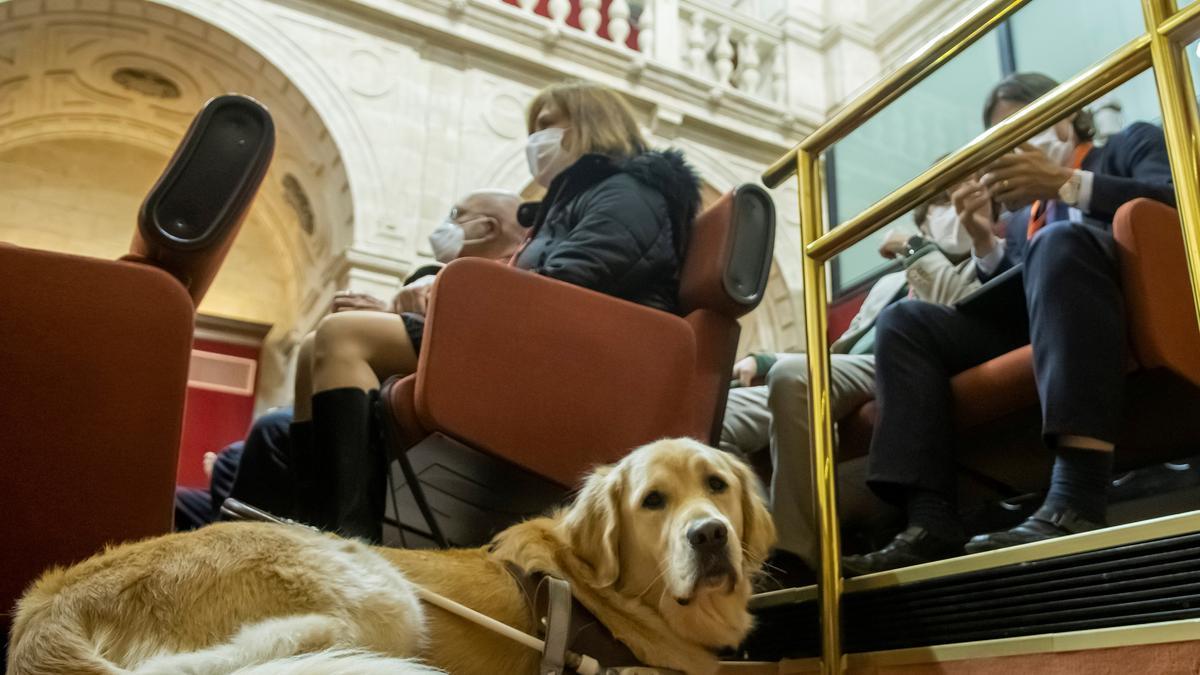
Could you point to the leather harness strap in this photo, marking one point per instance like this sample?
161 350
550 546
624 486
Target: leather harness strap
584 633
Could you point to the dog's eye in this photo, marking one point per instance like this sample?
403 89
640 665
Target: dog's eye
716 484
655 500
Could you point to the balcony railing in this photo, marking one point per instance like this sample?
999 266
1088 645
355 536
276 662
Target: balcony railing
707 39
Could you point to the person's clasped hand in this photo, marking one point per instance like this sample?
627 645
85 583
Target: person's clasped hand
1022 177
745 371
894 245
973 204
349 301
413 299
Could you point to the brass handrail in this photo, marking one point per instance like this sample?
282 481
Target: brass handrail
1177 98
1182 27
918 66
1159 47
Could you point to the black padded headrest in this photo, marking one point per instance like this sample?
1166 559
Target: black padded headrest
191 216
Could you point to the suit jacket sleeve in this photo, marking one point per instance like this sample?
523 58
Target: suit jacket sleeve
1135 165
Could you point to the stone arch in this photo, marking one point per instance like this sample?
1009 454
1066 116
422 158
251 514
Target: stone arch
112 86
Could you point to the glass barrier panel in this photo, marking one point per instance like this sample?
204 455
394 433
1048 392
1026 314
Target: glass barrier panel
936 117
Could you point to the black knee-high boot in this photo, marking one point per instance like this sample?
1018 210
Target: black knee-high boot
343 439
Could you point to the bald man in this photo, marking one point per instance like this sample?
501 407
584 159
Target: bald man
482 224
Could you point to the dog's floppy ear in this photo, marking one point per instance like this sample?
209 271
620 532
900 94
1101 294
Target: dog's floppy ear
758 529
592 525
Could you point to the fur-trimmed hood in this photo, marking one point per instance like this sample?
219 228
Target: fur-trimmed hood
668 172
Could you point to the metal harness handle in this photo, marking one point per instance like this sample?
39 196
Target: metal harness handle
557 624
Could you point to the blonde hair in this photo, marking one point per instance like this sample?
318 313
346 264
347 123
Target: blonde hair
600 119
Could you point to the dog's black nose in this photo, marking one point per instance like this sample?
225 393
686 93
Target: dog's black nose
708 536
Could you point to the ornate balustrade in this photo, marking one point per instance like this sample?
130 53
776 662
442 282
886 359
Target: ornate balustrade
705 38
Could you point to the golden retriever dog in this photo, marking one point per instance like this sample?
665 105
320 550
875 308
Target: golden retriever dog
661 547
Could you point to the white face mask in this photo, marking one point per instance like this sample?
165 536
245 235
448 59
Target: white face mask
1059 151
447 240
944 230
546 156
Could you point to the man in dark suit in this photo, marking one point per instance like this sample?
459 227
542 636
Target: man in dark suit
1058 193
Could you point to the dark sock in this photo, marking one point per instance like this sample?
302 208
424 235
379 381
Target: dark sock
935 513
1080 481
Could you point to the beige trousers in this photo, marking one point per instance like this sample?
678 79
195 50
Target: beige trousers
776 416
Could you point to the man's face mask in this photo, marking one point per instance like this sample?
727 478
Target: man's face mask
546 156
1059 151
449 237
944 230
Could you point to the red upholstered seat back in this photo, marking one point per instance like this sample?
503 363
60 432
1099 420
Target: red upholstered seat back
93 360
563 377
1163 330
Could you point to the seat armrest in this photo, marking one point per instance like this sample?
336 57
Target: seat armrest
192 215
1163 331
559 377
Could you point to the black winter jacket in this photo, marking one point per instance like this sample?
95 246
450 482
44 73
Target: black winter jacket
620 228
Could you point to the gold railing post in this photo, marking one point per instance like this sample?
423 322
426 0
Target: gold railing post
820 424
1178 101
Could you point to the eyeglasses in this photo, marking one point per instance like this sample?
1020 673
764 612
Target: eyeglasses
460 216
457 215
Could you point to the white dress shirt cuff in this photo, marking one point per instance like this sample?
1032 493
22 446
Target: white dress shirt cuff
988 263
1085 190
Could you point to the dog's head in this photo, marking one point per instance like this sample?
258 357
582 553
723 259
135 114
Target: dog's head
682 527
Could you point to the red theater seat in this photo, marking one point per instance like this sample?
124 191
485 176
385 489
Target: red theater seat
996 402
525 382
94 356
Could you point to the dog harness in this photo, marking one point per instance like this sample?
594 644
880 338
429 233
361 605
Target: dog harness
570 628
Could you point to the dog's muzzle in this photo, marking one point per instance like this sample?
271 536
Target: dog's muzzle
709 539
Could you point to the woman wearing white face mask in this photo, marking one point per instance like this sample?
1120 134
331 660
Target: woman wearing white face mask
615 219
616 214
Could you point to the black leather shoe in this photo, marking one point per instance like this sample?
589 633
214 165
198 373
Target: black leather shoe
913 546
1045 523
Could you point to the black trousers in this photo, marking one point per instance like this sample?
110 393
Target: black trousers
196 507
263 474
1075 321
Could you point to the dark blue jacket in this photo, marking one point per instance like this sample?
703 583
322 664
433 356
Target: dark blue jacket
1132 164
617 227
